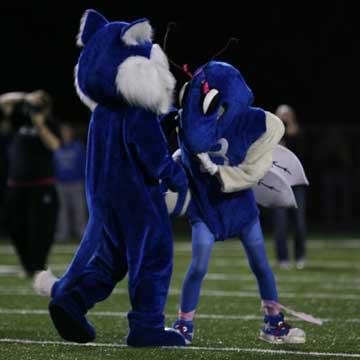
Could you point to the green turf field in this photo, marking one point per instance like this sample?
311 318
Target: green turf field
228 318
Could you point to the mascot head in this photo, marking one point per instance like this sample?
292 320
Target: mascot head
216 95
119 64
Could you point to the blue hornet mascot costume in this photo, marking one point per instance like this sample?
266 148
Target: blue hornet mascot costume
226 147
126 81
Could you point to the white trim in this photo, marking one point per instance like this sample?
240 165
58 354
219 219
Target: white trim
185 348
83 19
138 33
257 162
91 104
208 99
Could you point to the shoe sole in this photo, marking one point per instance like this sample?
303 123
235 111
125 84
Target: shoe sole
67 327
187 341
281 340
155 343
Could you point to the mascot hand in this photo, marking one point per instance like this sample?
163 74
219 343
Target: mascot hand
177 156
177 181
207 164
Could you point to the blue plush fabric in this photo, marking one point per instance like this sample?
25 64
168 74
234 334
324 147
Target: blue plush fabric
99 61
129 229
227 139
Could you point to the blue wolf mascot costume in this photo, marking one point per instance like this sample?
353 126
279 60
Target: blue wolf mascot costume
125 80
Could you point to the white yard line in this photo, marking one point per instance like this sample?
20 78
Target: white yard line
291 278
229 246
329 264
25 291
187 348
198 316
219 261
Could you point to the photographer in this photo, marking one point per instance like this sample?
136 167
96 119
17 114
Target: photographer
31 199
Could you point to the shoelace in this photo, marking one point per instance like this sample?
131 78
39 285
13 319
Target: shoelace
282 325
183 329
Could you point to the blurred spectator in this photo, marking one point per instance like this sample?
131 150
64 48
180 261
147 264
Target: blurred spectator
5 139
294 217
69 162
334 162
31 199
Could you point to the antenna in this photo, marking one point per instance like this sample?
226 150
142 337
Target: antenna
171 26
231 42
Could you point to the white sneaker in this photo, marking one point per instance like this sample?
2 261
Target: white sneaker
300 264
284 264
43 282
277 331
294 336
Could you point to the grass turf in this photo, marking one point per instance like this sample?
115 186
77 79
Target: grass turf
228 317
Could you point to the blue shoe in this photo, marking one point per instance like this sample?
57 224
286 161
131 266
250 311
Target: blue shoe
153 337
69 320
186 328
277 331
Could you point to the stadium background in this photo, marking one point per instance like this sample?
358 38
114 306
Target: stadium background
305 54
300 54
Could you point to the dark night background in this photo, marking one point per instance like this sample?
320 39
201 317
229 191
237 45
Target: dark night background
292 53
289 52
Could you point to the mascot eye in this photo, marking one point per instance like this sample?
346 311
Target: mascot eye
221 111
182 93
210 102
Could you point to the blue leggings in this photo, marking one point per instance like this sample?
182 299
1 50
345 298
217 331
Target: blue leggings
202 244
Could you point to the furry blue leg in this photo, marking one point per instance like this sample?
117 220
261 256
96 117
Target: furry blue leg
107 266
150 269
202 244
87 247
253 243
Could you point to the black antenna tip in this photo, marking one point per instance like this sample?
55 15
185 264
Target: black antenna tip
171 26
234 41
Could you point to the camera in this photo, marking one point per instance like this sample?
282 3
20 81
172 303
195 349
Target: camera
22 113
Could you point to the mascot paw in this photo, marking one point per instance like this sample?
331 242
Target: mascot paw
43 282
166 337
70 321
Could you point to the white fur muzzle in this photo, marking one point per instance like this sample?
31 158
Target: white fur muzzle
147 83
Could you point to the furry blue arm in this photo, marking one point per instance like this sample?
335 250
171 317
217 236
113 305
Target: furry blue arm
153 154
169 122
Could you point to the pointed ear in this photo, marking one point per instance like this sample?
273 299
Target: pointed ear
90 23
138 32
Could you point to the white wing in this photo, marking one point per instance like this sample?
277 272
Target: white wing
273 190
289 166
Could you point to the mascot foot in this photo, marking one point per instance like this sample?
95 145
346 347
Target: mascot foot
186 328
43 282
69 321
277 331
166 337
